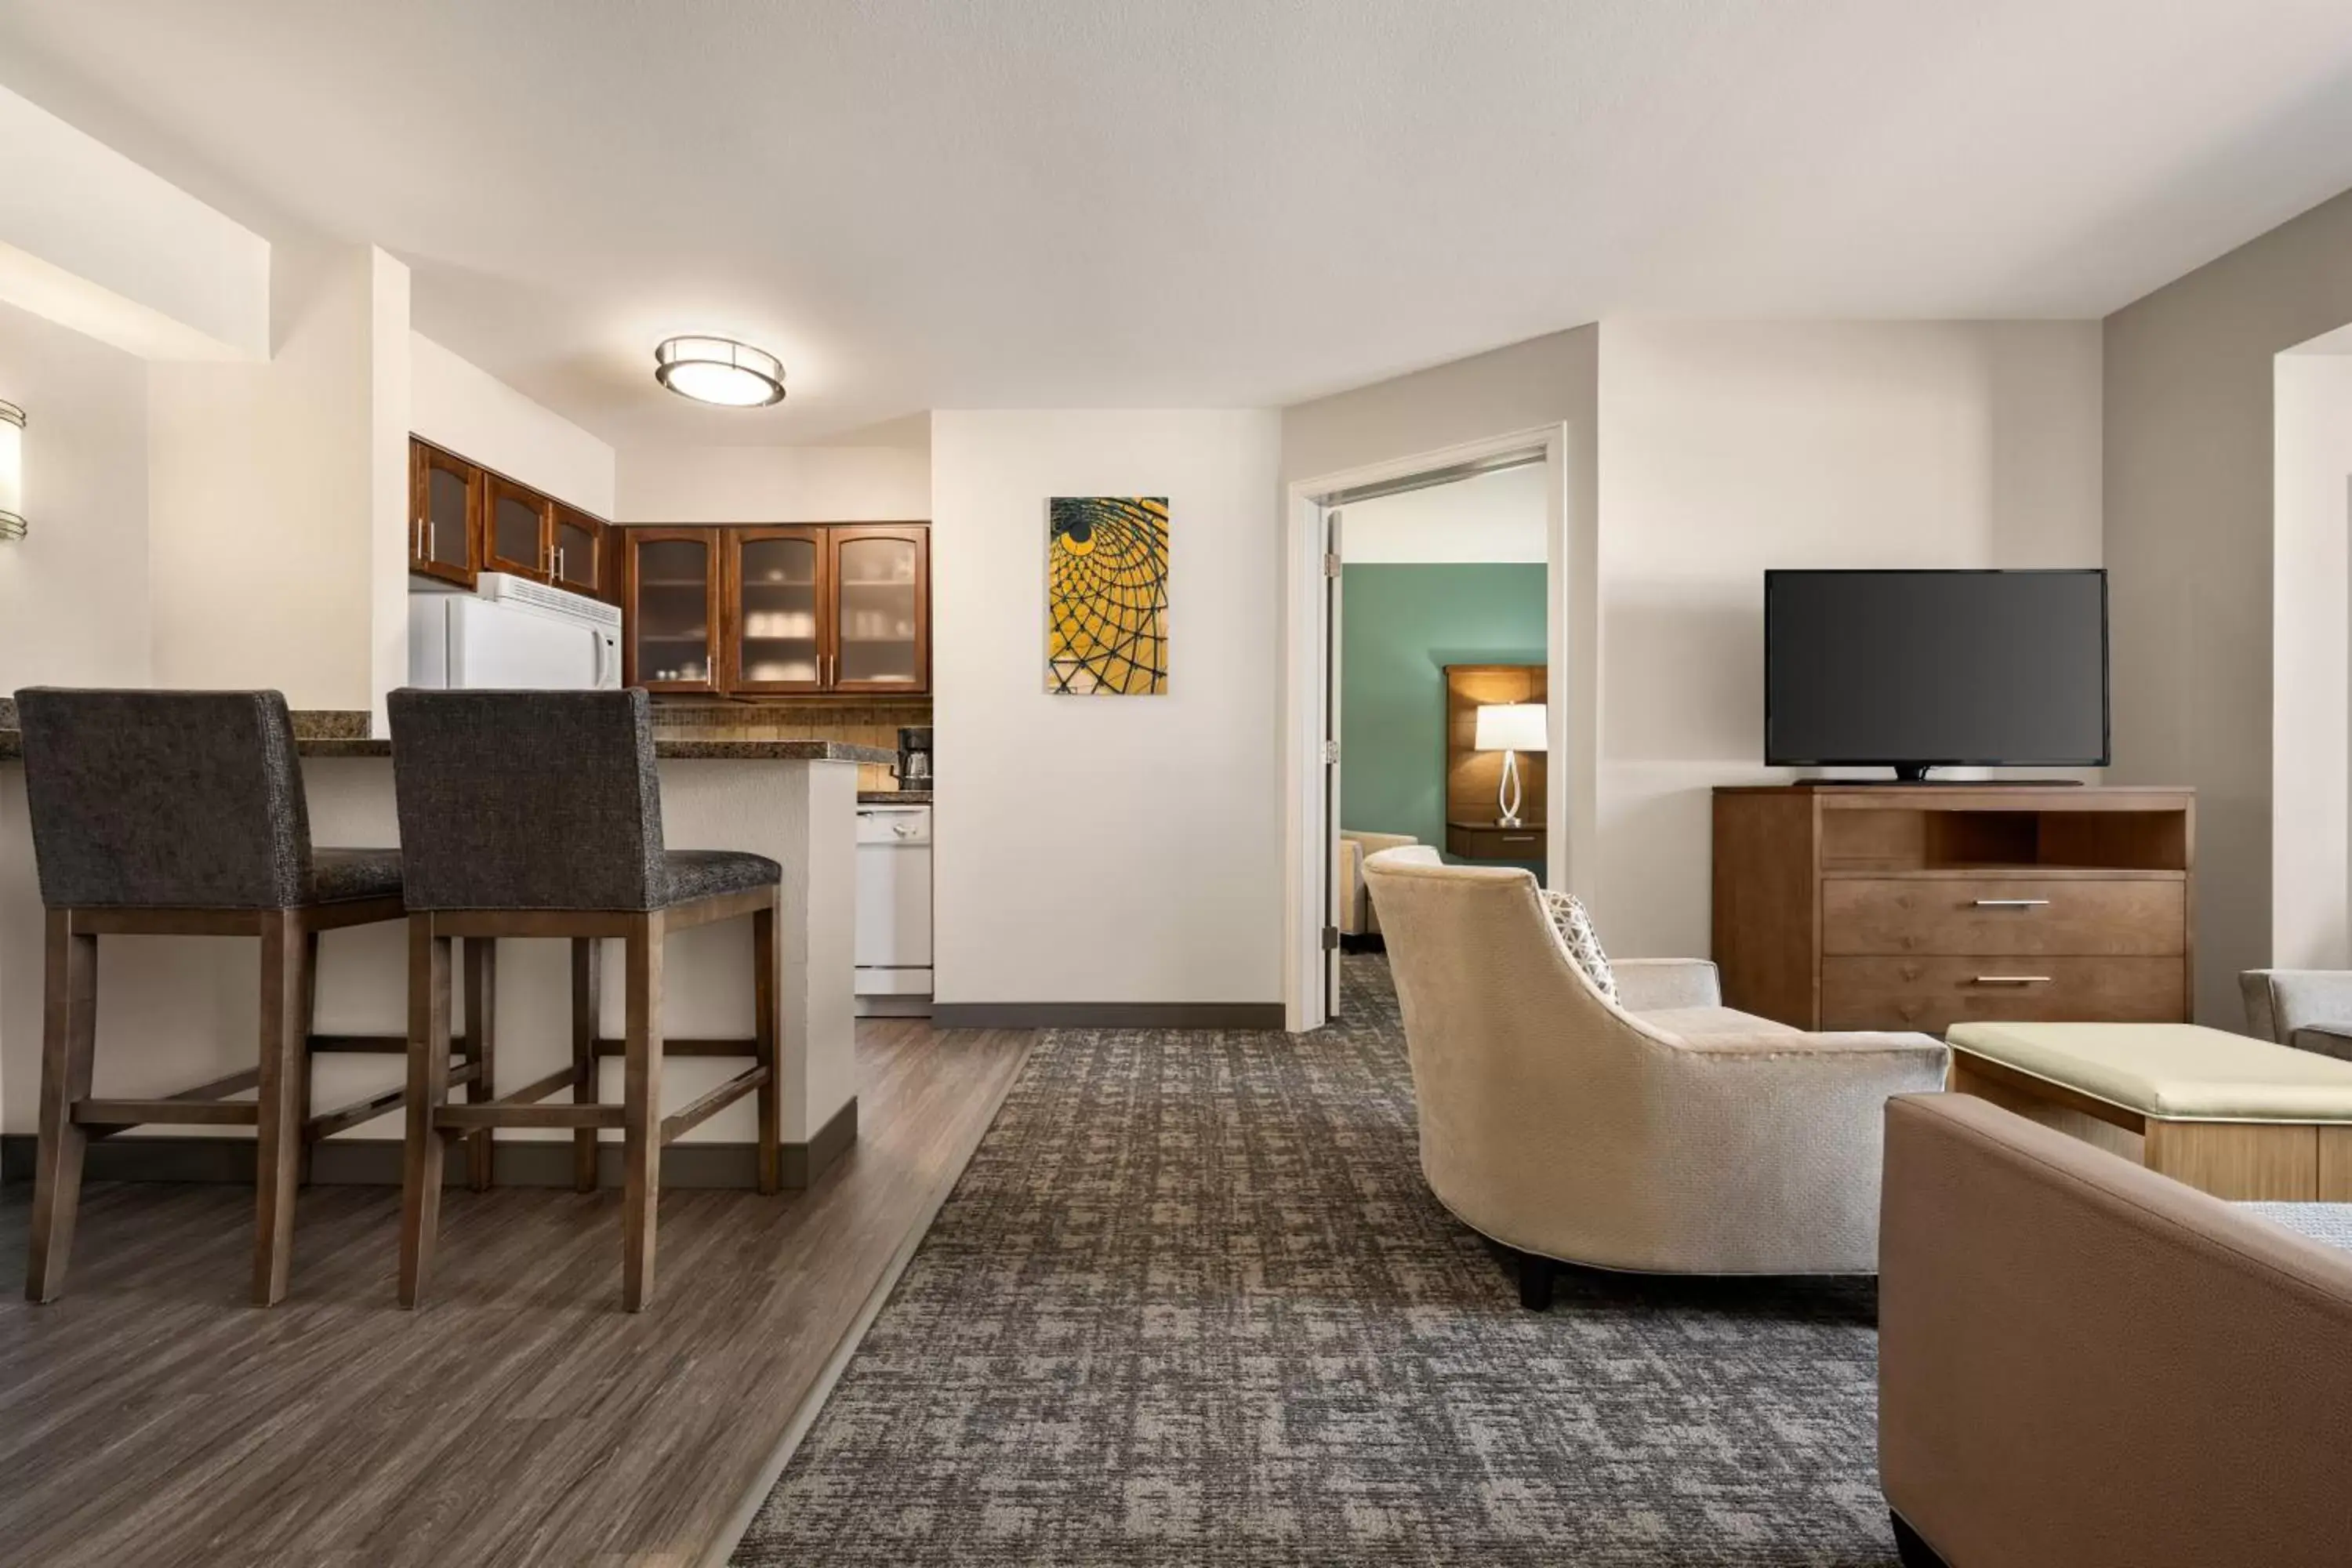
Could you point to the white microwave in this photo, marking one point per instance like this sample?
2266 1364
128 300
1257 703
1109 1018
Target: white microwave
512 634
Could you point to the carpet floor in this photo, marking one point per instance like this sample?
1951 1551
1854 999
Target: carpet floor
1192 1302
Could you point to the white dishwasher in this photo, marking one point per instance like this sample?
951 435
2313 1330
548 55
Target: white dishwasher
893 946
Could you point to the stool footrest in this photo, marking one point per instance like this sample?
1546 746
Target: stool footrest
561 1078
183 1113
474 1118
344 1117
717 1100
608 1045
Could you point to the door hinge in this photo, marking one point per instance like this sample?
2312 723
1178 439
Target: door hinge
1330 939
1330 564
1330 753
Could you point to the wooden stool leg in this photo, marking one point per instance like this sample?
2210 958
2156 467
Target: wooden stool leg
277 1139
640 1111
428 1089
587 998
482 1050
69 1047
309 1016
764 1031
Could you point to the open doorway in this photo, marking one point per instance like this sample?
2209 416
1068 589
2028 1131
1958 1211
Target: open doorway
1426 628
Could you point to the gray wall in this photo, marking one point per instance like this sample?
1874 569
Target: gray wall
2189 520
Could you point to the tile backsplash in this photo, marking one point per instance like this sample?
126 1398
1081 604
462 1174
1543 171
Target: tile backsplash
861 724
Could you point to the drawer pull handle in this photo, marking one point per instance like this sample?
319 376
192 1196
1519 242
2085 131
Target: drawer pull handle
2012 980
2010 903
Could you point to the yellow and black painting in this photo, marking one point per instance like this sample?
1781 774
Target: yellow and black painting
1107 594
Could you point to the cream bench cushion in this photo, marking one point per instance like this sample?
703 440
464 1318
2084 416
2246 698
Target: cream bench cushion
2179 1071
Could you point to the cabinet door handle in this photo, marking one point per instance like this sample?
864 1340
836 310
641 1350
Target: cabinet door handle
2012 980
559 563
2012 903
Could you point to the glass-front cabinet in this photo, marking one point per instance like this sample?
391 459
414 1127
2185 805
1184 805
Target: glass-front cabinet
444 498
882 610
515 539
776 594
577 561
670 601
465 519
804 610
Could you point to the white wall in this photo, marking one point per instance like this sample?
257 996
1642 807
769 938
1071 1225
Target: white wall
2311 661
1493 517
278 496
1119 849
2190 464
92 241
774 484
457 405
74 592
1727 447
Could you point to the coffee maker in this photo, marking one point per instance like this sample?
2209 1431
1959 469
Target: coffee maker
914 768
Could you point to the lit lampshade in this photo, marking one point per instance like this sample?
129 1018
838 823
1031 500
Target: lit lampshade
1510 727
12 471
721 371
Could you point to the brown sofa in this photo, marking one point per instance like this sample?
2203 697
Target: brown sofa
2082 1363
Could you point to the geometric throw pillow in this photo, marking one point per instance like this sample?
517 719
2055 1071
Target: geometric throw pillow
1583 943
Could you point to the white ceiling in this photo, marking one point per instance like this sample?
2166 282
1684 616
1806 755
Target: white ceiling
1138 203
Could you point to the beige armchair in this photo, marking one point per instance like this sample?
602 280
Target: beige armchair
1669 1135
1357 916
2310 1009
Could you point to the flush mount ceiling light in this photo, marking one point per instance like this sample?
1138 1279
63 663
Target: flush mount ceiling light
721 371
12 471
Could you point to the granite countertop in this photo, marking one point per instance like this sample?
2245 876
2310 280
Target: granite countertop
894 796
345 733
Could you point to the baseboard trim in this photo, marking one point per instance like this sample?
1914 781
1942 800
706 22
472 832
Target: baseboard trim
376 1162
1106 1015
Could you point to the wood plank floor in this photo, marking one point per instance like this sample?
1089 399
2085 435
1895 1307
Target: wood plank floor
151 1417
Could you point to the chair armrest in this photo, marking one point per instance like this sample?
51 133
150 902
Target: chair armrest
1647 984
2281 1001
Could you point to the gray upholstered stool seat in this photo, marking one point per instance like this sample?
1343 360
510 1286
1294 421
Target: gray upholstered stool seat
338 876
692 874
538 814
182 813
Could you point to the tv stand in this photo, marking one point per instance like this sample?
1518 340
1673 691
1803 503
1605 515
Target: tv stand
1894 906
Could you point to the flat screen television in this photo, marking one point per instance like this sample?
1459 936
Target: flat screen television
1920 670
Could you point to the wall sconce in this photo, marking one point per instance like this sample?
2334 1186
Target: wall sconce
12 471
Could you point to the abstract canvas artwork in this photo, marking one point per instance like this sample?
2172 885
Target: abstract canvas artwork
1107 595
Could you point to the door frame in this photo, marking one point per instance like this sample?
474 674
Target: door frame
1571 600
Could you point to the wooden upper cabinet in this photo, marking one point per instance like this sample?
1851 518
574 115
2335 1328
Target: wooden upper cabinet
445 509
882 610
517 524
803 610
465 519
775 614
670 582
577 559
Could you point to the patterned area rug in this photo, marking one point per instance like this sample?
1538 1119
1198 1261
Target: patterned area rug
1192 1302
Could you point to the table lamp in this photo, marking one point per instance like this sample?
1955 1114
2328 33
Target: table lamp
1510 728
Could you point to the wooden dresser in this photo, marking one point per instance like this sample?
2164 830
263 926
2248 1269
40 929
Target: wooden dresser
1844 906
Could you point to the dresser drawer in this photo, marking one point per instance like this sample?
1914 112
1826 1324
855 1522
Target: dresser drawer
2003 915
1931 994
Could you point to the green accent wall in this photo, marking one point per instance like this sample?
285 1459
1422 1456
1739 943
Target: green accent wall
1401 626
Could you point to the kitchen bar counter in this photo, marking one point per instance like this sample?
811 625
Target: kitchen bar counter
179 1010
313 739
894 798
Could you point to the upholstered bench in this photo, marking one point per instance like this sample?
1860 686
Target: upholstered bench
2236 1117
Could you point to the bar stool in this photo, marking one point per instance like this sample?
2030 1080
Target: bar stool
181 812
538 814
